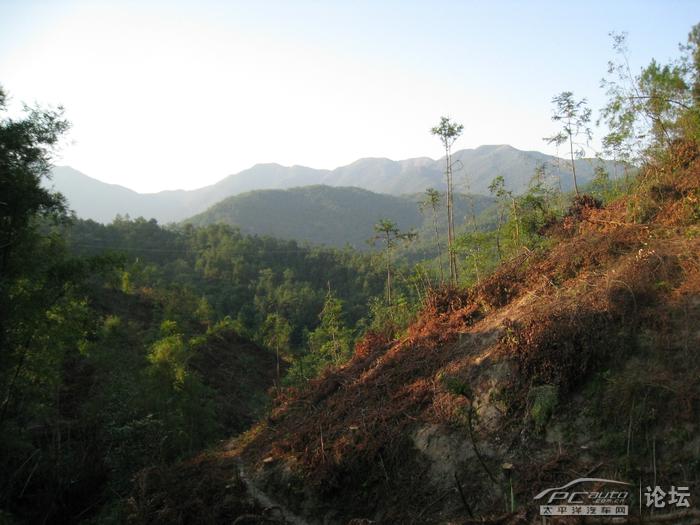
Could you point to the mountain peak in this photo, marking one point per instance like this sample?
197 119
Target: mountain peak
496 146
265 165
493 148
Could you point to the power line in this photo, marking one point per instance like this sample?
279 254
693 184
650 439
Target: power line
185 251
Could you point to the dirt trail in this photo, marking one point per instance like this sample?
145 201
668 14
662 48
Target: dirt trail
265 501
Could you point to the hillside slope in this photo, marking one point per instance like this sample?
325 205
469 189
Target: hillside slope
576 361
326 215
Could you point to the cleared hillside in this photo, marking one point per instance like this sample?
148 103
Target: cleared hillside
576 360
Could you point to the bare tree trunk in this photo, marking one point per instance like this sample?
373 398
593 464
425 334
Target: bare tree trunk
517 223
472 207
439 249
449 210
277 355
573 163
450 218
498 234
388 270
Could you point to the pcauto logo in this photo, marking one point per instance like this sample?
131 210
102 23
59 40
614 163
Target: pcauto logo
604 497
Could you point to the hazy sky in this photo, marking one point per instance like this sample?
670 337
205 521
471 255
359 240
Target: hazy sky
166 95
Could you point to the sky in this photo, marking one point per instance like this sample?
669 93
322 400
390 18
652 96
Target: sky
171 94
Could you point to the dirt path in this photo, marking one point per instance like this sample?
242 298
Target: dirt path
265 501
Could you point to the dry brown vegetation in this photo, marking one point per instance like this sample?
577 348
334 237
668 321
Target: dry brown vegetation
578 359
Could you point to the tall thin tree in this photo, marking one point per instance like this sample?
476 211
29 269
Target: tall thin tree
277 332
449 131
497 188
432 200
574 116
389 233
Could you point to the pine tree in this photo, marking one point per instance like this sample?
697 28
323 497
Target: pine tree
330 341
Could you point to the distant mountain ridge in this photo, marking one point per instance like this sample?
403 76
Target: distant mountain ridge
92 199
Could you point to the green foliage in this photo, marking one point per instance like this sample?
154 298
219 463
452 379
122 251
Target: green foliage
388 232
648 110
601 185
542 402
31 262
46 324
448 131
653 117
422 249
519 222
536 208
243 277
296 302
606 188
392 319
457 386
200 276
330 344
169 357
331 339
89 394
146 404
204 313
480 250
25 158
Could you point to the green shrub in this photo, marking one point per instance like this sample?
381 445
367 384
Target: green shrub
542 401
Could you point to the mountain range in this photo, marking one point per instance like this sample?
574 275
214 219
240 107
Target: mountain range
474 171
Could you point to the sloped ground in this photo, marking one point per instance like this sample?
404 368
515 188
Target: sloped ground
239 374
580 360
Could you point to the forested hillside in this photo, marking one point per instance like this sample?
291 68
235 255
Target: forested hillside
232 369
326 215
